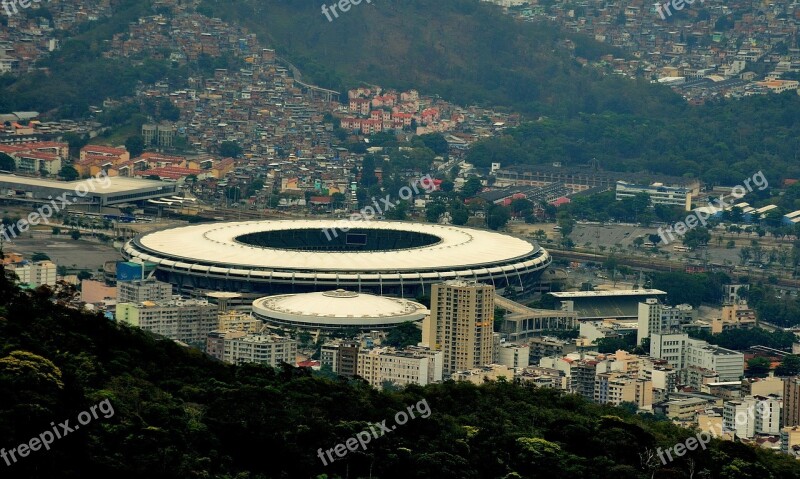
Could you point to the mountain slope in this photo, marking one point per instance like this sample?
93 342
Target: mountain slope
464 50
179 414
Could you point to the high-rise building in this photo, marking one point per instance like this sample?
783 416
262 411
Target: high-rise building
461 324
791 401
655 317
753 415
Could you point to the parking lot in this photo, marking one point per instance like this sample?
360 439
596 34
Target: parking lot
64 251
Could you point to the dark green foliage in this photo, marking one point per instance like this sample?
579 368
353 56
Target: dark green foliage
7 163
691 288
699 144
179 414
406 334
135 145
230 149
742 339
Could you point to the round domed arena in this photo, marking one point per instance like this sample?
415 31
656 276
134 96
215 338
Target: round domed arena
337 309
387 258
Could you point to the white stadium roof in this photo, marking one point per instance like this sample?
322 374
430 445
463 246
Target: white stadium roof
339 307
215 243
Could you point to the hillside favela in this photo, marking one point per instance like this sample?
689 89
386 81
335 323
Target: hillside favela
399 239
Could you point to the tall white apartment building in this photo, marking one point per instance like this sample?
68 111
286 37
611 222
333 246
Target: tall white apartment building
753 415
461 324
655 317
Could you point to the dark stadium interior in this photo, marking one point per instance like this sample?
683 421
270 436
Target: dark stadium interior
353 240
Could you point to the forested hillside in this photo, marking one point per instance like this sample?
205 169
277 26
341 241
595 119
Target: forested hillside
181 415
721 143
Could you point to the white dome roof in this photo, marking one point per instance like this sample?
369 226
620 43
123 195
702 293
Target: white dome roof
339 307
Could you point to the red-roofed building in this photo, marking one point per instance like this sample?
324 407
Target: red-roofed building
37 157
114 154
34 162
174 173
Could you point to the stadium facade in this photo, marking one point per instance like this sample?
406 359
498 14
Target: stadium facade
386 258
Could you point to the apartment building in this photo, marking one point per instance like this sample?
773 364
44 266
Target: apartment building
791 401
545 346
238 347
670 347
239 321
790 441
138 291
341 357
461 324
40 273
655 317
683 352
379 366
616 388
185 320
490 372
753 415
513 355
583 378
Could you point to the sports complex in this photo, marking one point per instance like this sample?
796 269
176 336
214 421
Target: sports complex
389 258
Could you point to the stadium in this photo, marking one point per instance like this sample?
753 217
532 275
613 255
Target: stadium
339 309
388 258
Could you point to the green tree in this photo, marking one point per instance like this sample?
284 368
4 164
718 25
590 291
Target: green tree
434 210
459 216
789 366
696 237
7 163
134 145
75 234
230 149
68 173
758 366
405 334
471 187
436 142
497 217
